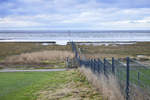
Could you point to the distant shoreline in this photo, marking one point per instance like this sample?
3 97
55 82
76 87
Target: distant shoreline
64 37
78 42
72 31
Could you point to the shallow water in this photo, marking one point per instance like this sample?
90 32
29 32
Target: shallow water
62 37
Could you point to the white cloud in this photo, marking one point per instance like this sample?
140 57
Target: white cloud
12 22
72 14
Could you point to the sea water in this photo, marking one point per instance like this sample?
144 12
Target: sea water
62 37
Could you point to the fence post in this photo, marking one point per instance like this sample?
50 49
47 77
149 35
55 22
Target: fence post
91 64
79 62
94 65
104 66
127 78
113 66
67 62
139 78
98 65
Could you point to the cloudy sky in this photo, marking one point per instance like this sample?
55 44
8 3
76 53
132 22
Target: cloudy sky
75 14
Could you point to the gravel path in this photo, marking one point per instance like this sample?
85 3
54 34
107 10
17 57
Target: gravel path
36 70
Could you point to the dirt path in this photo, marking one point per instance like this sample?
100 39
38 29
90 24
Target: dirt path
35 70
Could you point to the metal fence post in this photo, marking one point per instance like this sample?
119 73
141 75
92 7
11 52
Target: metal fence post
104 66
79 62
138 78
67 62
113 66
98 65
91 64
127 78
95 65
88 63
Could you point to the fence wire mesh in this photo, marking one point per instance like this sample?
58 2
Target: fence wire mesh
133 81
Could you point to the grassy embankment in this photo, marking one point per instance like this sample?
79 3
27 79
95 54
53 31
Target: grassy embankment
66 85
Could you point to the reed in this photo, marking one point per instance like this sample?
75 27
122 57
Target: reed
108 86
38 57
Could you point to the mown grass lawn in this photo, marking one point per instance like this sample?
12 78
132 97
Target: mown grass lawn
29 85
23 85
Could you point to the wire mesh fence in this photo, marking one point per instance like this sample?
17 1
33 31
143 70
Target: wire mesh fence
133 76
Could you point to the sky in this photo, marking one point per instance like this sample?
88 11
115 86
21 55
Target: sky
74 15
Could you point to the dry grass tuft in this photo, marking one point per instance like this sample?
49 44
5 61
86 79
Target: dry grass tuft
76 88
100 55
38 57
137 93
107 86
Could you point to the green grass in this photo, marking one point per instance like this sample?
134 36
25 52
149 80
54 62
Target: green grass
142 81
143 77
27 85
43 65
140 48
23 85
